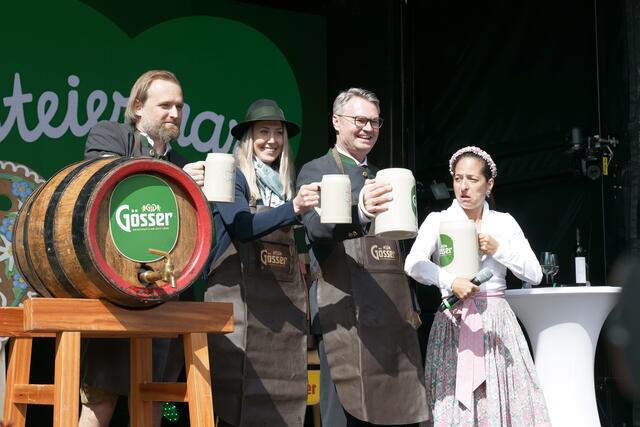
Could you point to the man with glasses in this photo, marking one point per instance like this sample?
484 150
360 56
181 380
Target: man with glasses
370 365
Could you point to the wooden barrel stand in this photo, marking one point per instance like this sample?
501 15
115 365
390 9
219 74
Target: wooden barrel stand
69 319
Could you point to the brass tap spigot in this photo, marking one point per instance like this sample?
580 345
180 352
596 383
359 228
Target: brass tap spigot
167 274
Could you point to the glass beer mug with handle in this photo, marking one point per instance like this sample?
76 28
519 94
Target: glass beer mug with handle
550 267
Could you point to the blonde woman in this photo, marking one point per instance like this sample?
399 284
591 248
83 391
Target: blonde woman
260 370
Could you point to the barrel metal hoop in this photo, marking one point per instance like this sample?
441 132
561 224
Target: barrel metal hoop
49 220
37 282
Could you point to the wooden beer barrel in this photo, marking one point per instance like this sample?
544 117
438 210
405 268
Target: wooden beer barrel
86 232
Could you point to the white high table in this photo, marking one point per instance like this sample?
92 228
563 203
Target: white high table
563 325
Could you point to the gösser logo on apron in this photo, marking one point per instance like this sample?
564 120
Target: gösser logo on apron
253 385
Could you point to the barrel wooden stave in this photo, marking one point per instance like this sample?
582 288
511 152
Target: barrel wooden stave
88 283
35 240
21 251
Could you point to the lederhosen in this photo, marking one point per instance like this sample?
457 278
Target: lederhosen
367 320
259 371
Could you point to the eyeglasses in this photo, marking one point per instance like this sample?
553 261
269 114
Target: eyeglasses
361 121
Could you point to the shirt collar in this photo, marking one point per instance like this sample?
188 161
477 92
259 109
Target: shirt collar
458 211
344 153
167 147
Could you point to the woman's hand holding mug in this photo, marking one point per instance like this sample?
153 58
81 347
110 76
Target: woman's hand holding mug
307 198
487 245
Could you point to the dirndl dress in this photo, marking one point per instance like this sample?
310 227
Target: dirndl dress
510 394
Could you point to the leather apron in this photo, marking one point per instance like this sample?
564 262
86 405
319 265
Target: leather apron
367 320
259 372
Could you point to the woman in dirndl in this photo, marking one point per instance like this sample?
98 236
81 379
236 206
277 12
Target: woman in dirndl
478 368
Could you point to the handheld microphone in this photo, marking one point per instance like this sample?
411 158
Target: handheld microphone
482 276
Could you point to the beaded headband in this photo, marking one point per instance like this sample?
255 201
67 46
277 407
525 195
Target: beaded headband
478 152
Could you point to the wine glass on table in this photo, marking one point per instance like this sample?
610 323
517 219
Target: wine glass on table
550 267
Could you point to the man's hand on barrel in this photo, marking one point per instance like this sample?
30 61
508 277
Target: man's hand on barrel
195 171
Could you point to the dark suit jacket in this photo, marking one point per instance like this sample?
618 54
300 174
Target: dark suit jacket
113 138
319 234
322 238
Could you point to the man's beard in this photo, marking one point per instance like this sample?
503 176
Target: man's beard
168 132
160 132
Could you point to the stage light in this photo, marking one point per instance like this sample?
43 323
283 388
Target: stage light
594 153
440 191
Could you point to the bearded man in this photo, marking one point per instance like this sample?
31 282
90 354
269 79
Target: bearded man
153 116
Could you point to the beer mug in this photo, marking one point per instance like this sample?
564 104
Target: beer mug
400 221
458 249
335 199
219 177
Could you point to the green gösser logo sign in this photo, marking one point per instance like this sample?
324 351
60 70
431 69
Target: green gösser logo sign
143 214
446 250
